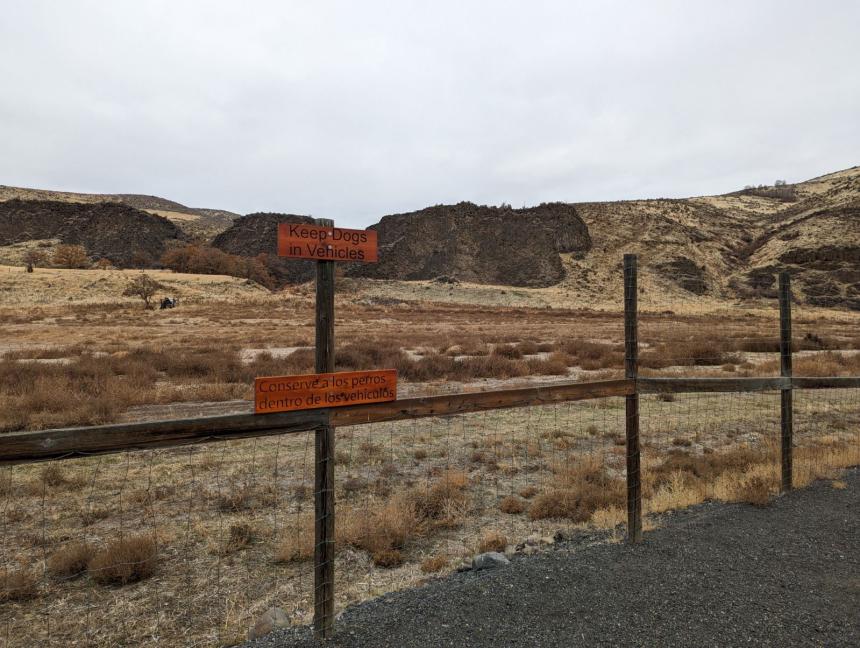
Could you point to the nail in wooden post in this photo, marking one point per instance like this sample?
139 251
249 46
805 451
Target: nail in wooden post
631 371
786 406
324 455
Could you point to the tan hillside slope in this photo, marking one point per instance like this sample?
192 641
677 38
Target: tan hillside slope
198 222
730 246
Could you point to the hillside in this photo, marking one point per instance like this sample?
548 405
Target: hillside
197 222
730 246
126 236
724 247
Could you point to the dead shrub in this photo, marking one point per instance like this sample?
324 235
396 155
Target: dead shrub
509 351
492 541
70 561
528 492
297 544
512 505
528 347
699 469
420 454
241 535
755 491
434 564
124 561
388 558
546 367
581 489
18 585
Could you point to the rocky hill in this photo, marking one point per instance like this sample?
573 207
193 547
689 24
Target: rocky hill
128 237
731 246
258 234
464 242
197 222
724 247
478 244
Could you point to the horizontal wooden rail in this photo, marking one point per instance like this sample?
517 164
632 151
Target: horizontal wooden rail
24 447
681 385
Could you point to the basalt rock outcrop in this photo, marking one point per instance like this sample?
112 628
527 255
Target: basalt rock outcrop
128 237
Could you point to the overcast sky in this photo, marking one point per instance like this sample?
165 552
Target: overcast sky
352 110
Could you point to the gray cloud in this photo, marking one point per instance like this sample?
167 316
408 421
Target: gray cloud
351 110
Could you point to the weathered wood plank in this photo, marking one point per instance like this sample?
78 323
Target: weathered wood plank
840 382
449 404
21 447
680 385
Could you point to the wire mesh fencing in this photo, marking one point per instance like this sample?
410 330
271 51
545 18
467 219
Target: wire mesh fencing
188 546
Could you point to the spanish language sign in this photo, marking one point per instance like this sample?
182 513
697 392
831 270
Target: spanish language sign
326 243
288 393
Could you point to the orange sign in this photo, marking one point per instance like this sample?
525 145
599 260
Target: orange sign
326 243
288 393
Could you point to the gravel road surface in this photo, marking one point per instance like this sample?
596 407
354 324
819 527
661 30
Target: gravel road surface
713 575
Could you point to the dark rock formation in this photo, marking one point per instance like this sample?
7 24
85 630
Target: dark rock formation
128 237
487 245
258 233
685 273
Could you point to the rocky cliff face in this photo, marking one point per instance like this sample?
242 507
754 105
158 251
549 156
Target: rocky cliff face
258 233
126 236
479 244
487 245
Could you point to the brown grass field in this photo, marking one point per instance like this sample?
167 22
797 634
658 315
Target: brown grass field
188 546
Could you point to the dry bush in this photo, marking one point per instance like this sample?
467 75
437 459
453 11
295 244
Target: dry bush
528 492
420 454
580 490
509 351
756 491
297 544
435 564
528 347
546 367
18 585
71 256
512 505
591 356
387 558
241 534
690 352
124 561
701 469
70 561
378 530
492 541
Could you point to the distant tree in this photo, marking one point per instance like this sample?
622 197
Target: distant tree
71 256
143 286
33 258
780 183
104 264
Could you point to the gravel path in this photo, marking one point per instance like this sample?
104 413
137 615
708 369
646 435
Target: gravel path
714 575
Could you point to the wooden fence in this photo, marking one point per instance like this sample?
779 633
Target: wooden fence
59 444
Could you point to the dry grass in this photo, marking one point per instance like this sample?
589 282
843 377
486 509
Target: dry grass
124 561
70 561
493 541
19 585
434 564
579 490
512 505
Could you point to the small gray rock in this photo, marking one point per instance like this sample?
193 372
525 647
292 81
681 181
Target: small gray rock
490 560
269 620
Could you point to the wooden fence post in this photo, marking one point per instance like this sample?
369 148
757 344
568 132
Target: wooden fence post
785 370
324 457
631 405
